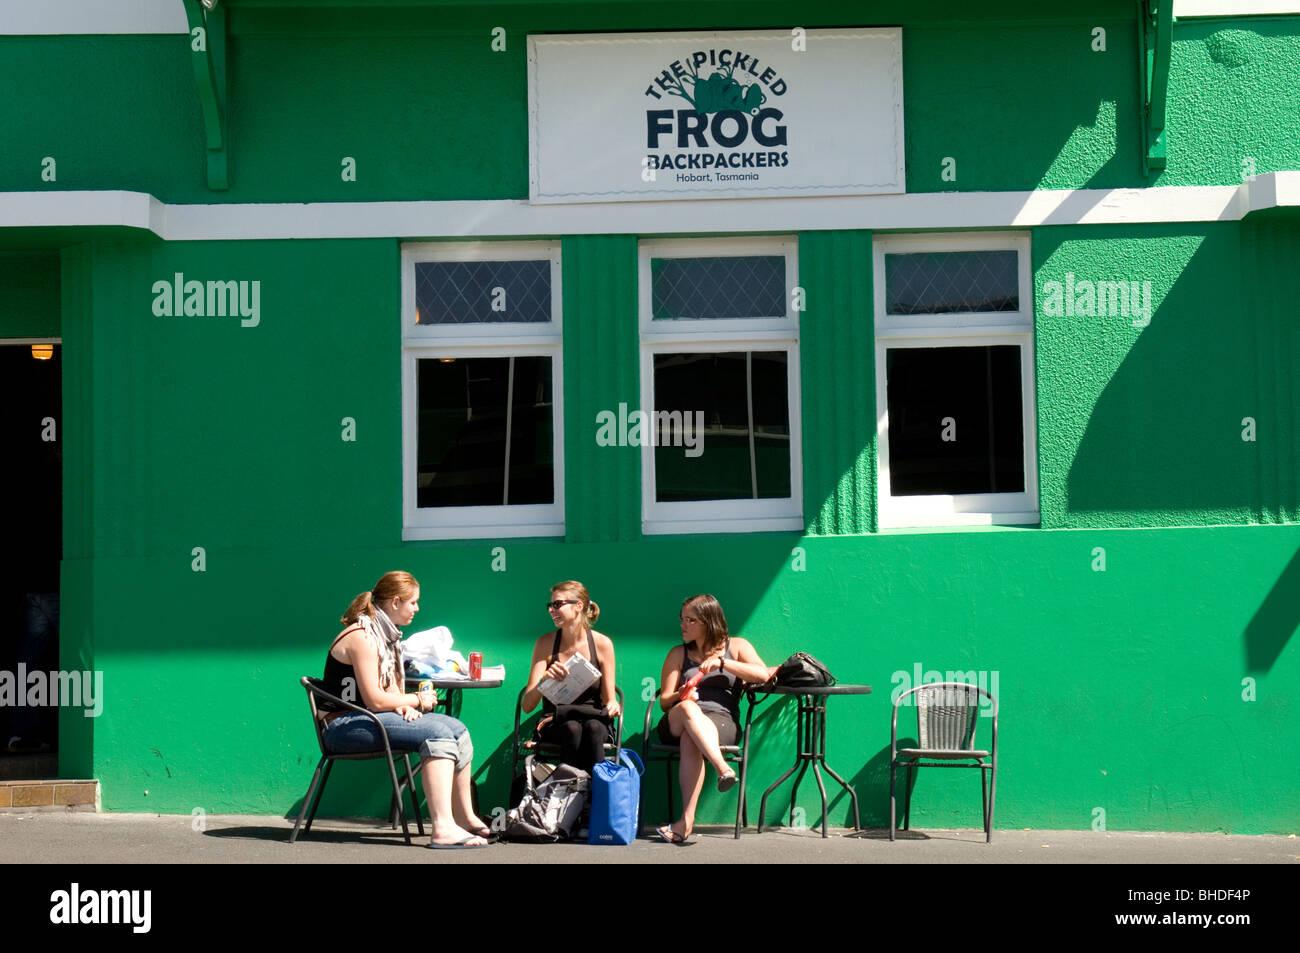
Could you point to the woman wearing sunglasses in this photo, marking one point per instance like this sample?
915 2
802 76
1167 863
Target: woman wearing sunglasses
700 689
582 727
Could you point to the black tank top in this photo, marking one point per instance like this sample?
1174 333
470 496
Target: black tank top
335 674
719 691
592 695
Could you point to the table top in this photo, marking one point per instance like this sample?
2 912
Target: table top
447 683
814 690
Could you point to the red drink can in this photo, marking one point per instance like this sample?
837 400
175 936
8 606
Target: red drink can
476 665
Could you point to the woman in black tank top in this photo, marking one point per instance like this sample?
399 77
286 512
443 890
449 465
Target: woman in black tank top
582 727
364 666
700 689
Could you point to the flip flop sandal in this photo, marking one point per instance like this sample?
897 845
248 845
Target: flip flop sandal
463 844
669 835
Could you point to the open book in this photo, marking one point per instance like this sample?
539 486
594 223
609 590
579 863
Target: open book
582 674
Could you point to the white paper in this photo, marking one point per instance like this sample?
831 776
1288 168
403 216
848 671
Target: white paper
582 674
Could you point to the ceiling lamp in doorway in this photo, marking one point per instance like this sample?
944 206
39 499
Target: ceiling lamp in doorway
42 352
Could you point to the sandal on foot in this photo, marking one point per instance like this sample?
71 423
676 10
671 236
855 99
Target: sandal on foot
669 835
726 782
462 844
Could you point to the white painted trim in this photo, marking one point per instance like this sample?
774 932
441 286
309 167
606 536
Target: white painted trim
1188 9
82 17
486 219
4 342
468 341
744 334
718 328
943 330
913 325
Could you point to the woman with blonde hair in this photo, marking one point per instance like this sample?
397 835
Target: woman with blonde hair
700 689
582 727
364 666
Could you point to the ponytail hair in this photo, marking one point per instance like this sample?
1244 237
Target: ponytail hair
591 611
401 585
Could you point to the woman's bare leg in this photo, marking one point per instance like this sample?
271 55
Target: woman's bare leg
437 775
462 803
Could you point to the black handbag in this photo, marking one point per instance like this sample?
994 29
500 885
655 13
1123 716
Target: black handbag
801 670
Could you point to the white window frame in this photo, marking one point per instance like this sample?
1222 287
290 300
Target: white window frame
720 335
504 339
962 329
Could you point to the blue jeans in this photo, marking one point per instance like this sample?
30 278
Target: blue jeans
430 736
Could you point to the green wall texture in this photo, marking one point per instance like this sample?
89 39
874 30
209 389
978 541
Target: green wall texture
1141 640
1019 99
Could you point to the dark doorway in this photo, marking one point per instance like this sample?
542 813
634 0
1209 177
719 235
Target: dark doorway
31 432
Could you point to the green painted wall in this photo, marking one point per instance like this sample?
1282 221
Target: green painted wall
30 304
1020 99
1104 702
1142 639
200 432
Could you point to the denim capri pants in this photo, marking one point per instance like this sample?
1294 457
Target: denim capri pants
430 736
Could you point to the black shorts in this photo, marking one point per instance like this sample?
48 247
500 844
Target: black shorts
724 721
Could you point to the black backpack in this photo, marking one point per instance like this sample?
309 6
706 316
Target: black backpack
801 670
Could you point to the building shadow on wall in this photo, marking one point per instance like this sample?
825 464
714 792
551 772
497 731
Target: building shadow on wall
1190 427
1275 621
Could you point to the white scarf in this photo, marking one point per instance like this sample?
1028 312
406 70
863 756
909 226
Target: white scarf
388 642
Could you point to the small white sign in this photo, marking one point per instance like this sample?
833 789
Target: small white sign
653 116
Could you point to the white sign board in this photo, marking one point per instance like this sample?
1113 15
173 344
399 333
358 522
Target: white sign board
653 116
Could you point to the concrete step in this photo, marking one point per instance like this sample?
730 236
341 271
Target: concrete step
60 794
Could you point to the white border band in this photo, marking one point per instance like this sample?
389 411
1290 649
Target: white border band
482 219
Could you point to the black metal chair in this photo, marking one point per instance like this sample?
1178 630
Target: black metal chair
315 692
947 714
652 750
525 742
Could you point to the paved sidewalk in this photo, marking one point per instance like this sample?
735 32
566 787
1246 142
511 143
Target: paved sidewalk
84 838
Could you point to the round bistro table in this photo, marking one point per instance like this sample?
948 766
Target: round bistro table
810 745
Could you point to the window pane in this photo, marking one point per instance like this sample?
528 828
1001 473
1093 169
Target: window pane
476 292
706 288
955 423
952 281
712 456
461 444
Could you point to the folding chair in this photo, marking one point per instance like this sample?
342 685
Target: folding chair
316 691
656 751
947 714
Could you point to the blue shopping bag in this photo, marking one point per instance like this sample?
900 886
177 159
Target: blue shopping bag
615 799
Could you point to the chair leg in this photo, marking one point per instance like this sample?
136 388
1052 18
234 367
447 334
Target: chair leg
668 773
311 815
741 819
397 793
984 804
893 770
993 787
307 799
410 787
909 783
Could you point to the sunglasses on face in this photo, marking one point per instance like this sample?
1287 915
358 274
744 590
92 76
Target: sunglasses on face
560 603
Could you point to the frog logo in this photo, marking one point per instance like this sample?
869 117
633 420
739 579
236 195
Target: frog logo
720 92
